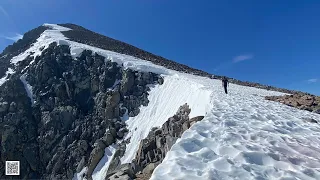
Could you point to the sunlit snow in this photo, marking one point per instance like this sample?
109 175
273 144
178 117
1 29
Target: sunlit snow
5 77
244 136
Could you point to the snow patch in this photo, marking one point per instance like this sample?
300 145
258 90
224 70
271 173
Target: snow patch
28 87
56 27
4 78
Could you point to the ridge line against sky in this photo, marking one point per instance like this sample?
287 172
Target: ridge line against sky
274 43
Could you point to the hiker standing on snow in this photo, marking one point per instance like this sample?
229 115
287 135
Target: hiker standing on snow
225 83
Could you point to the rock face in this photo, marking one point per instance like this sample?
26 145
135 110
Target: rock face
75 113
160 140
153 149
304 102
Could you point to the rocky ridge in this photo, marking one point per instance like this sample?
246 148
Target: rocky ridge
58 115
304 102
85 36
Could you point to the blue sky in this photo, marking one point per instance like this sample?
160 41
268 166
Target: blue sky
272 42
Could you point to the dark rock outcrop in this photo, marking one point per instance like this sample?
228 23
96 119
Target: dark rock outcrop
304 102
75 113
153 149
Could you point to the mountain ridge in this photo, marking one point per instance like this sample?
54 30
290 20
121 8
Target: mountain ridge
70 110
85 36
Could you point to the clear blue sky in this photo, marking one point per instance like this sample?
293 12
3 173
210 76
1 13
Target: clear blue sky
272 42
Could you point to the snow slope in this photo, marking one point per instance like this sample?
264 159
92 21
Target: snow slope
244 136
164 102
5 78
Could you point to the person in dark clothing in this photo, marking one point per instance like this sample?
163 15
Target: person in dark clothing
225 83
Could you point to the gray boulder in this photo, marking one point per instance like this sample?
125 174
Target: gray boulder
4 107
150 168
95 157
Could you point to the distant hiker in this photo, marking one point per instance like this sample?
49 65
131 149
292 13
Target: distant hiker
225 83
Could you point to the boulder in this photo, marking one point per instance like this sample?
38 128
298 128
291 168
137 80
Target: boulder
95 157
196 119
108 138
4 107
12 107
150 168
316 110
152 150
127 81
160 80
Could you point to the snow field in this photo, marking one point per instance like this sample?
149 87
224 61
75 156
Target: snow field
244 136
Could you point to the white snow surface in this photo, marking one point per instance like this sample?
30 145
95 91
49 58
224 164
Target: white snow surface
5 77
244 136
27 87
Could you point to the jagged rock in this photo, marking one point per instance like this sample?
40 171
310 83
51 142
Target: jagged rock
300 101
121 132
4 107
83 145
30 153
306 100
161 80
124 171
115 161
152 150
81 164
185 126
108 138
95 156
127 81
196 119
120 175
310 120
149 168
13 107
316 111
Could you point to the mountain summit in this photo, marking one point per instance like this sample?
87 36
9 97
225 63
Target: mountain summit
75 104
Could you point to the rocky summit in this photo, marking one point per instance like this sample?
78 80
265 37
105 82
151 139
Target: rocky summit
72 101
